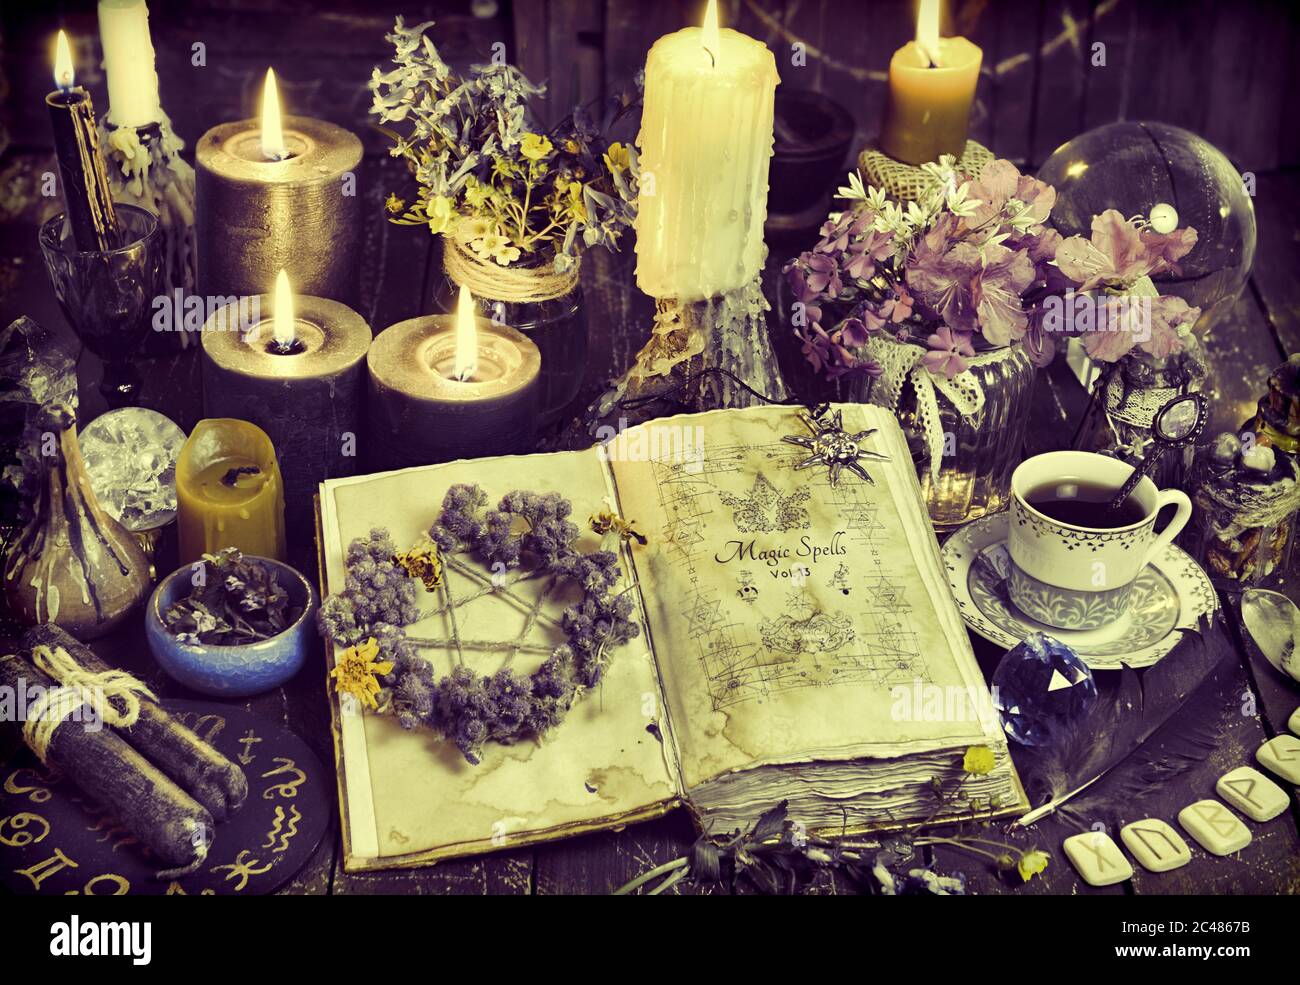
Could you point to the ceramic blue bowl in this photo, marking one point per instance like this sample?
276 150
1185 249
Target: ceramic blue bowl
233 671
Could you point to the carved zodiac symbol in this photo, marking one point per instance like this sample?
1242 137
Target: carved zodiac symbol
42 870
289 788
247 742
121 885
19 838
207 727
241 868
38 792
285 831
176 889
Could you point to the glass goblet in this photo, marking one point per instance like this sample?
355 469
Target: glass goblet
108 295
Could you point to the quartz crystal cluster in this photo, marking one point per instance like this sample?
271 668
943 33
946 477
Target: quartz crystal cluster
36 374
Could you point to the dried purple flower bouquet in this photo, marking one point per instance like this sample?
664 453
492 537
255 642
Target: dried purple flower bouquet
528 536
975 266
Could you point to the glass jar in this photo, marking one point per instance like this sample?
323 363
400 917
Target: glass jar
980 450
1245 496
557 326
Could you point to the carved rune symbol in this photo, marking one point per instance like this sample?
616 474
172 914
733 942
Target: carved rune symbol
765 510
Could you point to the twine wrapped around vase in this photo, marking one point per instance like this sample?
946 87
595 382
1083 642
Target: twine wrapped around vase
907 182
513 284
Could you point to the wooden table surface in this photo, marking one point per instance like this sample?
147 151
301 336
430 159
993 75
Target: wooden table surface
400 276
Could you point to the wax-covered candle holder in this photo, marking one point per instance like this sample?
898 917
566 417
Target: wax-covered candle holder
107 295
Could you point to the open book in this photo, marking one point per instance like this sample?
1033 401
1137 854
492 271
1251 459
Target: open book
800 644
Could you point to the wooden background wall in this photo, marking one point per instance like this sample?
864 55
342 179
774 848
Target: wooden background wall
1227 70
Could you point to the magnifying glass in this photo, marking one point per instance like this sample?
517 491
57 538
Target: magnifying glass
1177 423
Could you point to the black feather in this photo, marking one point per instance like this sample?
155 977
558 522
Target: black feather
1160 723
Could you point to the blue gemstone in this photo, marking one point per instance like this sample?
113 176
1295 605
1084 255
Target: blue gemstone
1041 686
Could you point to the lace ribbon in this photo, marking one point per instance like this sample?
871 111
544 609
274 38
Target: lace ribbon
901 362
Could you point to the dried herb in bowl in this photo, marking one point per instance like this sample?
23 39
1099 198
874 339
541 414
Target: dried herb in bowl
234 601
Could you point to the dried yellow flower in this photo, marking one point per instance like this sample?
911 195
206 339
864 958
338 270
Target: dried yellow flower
423 563
1031 863
979 760
357 672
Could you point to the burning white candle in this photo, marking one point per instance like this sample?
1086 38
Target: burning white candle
706 141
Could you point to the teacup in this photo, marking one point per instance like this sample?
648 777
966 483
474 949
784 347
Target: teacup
1076 577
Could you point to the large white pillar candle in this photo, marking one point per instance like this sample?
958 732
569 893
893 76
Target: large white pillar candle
706 140
129 63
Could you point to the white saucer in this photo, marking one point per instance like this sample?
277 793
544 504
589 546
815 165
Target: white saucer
1171 595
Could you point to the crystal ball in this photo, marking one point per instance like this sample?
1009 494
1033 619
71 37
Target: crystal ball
130 455
1040 687
1162 172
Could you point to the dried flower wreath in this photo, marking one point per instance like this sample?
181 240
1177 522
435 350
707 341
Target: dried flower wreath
529 535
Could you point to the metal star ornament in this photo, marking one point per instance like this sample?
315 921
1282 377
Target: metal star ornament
833 447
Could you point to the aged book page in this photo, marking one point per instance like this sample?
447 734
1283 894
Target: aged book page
411 796
790 617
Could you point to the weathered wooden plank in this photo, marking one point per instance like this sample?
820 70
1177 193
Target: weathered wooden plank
1108 84
1240 351
1062 75
506 873
1277 254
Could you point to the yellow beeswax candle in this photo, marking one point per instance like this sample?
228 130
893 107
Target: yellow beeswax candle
931 87
229 492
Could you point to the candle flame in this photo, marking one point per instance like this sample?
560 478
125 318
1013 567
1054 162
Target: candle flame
282 317
273 148
927 30
64 75
710 39
466 336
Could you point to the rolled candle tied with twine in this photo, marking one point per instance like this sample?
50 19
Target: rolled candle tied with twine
78 687
166 819
218 784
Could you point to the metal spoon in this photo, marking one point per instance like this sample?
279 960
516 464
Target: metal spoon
1178 422
1273 622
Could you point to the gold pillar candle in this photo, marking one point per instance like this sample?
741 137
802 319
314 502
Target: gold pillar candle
257 214
299 376
229 492
706 142
931 87
444 387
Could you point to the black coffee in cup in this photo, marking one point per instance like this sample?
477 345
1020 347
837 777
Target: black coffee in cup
1084 504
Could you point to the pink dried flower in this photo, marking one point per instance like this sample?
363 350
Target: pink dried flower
948 353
